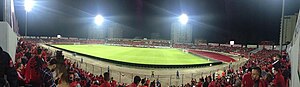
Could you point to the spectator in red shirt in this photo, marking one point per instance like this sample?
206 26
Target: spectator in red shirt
148 81
278 80
212 83
32 70
106 79
201 80
136 82
247 80
256 74
113 82
21 79
74 84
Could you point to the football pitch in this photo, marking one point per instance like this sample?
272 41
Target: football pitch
154 56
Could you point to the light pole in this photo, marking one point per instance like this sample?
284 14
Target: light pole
28 5
282 26
98 20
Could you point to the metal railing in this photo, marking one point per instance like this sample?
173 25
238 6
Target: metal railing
172 79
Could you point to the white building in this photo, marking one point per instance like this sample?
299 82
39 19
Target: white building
289 26
181 33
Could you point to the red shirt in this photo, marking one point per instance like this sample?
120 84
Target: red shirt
262 83
93 85
212 84
74 84
20 75
113 83
44 55
132 85
223 74
247 80
105 84
31 74
148 82
199 84
279 80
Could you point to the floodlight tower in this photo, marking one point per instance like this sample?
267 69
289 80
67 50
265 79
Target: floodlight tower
98 20
281 27
28 5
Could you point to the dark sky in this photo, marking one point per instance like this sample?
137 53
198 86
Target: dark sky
245 21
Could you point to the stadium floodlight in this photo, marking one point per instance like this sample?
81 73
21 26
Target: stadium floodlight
99 19
28 4
231 42
183 18
58 36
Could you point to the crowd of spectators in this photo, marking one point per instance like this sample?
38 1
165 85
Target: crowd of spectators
39 67
242 51
65 41
263 69
139 43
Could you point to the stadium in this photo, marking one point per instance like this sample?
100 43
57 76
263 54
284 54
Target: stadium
150 63
133 44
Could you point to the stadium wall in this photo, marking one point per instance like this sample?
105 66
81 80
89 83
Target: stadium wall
8 39
294 55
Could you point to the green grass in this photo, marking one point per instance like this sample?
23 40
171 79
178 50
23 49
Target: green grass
155 56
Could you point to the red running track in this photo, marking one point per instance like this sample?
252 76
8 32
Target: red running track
213 55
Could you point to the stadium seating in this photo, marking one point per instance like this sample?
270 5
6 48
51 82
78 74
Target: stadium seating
229 78
212 55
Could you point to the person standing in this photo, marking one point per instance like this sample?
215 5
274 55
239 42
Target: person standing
256 74
136 82
279 79
247 79
106 80
47 76
7 68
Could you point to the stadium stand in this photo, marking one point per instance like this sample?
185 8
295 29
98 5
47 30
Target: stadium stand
215 56
275 70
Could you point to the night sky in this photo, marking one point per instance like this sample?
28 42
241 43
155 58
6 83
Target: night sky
245 21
